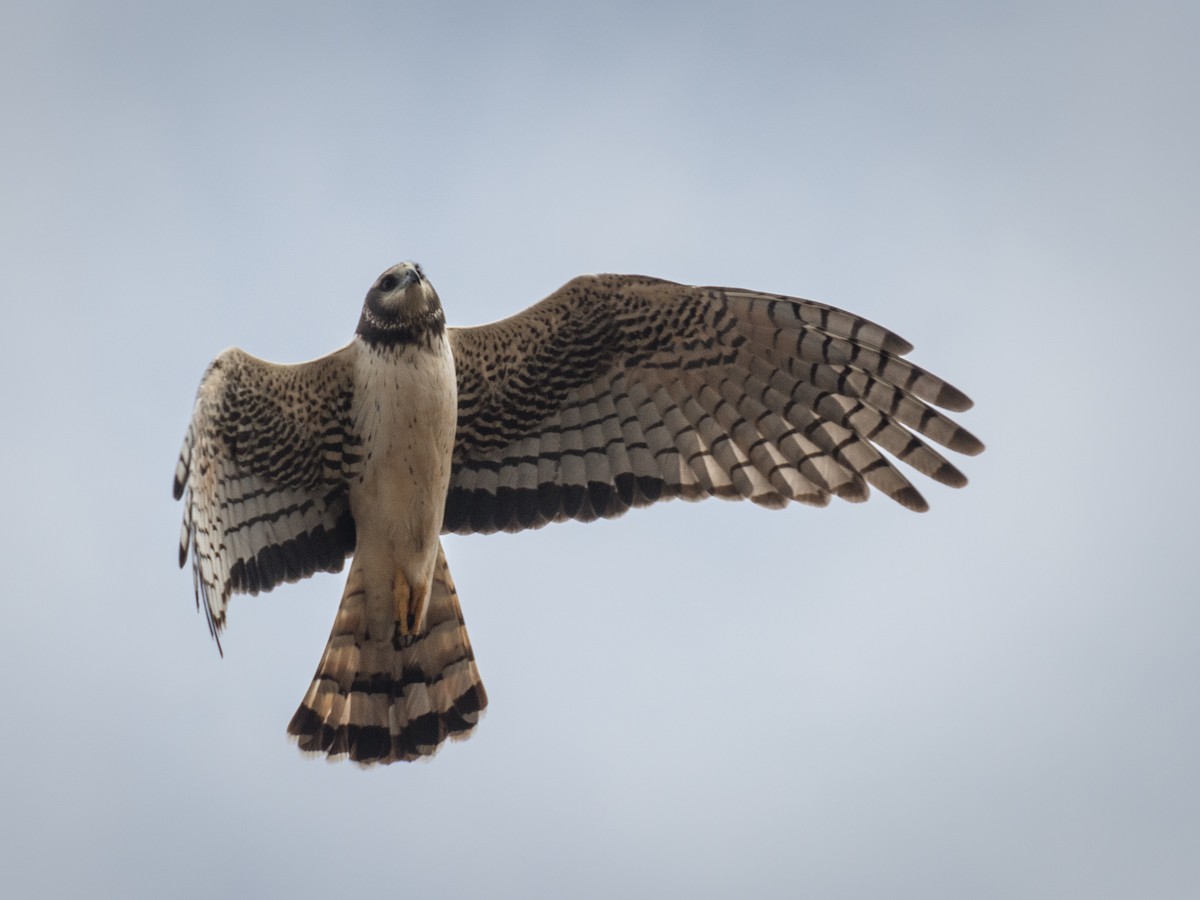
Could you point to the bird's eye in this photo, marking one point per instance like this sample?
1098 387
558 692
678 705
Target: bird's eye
388 282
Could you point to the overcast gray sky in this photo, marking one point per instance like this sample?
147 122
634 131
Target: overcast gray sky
997 699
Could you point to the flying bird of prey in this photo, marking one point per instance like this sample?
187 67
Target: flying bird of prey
616 391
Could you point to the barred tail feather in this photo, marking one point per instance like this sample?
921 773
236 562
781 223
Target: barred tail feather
380 695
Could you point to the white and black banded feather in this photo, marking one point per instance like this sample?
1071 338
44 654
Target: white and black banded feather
263 475
380 696
618 391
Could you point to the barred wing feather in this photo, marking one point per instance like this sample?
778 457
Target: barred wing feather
618 391
263 476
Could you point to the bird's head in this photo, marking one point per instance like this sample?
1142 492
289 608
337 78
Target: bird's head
401 308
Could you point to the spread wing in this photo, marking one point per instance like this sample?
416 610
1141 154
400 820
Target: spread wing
263 476
617 391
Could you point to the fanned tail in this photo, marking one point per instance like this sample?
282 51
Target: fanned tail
380 695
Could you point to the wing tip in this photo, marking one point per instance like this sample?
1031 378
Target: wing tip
966 443
910 498
951 398
950 476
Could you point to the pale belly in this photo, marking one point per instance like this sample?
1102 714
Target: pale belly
406 411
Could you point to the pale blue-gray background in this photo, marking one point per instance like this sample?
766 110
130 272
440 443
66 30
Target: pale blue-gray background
995 700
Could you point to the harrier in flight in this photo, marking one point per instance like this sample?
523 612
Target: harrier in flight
615 391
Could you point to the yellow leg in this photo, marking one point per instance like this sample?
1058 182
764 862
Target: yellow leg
410 604
403 597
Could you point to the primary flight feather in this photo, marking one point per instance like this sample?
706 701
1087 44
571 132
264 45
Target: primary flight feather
615 391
